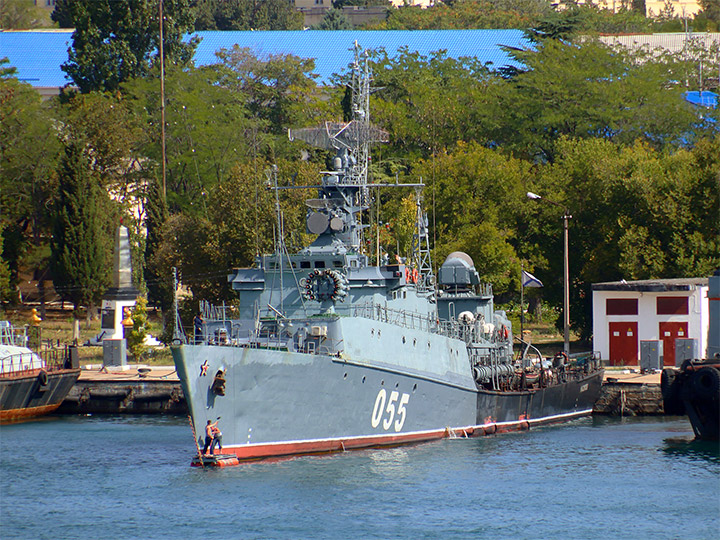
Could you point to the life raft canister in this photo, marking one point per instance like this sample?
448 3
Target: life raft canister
325 285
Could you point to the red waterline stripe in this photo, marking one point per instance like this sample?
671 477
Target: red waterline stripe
320 446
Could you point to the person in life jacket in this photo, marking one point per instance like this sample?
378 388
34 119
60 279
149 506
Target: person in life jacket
217 439
210 428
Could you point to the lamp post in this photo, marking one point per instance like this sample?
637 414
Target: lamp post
566 270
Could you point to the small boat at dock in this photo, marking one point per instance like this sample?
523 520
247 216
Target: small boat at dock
31 383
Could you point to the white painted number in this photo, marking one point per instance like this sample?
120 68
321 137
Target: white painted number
378 409
390 410
388 414
401 411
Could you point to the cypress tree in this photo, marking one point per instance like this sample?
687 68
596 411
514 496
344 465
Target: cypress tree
156 213
80 248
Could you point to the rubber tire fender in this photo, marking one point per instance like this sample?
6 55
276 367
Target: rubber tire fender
43 378
670 389
706 383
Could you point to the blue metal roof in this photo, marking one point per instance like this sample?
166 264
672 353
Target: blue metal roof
704 98
38 55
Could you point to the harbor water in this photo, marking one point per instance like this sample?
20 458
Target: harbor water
129 477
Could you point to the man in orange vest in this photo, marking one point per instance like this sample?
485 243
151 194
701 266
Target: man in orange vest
209 436
217 438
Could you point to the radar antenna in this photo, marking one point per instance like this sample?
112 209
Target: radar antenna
348 179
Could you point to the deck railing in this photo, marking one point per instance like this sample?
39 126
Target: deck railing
26 362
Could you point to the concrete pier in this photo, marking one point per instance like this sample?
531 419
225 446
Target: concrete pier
625 393
132 390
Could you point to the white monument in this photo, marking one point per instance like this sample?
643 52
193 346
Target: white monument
117 303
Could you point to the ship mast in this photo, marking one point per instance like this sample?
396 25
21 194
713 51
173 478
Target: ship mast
343 193
421 245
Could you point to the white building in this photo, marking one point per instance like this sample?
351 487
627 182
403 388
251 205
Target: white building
626 313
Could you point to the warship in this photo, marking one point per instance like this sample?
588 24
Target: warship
326 352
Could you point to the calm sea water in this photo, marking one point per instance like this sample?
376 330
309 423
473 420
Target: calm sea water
129 477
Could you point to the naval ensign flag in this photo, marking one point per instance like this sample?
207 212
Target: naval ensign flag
528 280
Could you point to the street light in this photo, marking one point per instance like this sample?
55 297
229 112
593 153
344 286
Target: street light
566 270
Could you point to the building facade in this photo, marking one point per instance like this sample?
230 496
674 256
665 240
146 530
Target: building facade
628 313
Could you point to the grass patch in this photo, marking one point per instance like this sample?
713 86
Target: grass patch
56 329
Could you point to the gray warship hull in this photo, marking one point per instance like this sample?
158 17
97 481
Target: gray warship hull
278 402
326 351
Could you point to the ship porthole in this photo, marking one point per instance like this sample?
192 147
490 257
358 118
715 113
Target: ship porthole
397 385
363 379
414 388
345 376
403 339
414 342
382 383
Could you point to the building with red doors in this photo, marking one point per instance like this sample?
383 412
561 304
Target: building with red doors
628 313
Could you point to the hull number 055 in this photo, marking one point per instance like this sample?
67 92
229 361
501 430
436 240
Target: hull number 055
392 414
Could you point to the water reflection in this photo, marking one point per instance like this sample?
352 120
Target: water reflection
692 450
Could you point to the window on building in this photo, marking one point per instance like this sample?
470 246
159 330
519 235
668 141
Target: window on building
621 306
672 305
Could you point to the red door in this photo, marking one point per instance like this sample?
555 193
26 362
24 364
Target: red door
623 343
669 332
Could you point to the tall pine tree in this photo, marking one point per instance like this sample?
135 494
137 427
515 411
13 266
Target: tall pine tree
81 259
160 288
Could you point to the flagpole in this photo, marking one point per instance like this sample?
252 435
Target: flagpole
522 303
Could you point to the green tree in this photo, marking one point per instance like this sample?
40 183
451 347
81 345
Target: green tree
711 10
159 286
478 193
465 14
112 134
28 158
207 132
279 89
588 89
334 19
429 103
6 286
117 40
81 246
137 334
631 216
21 15
247 15
238 227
